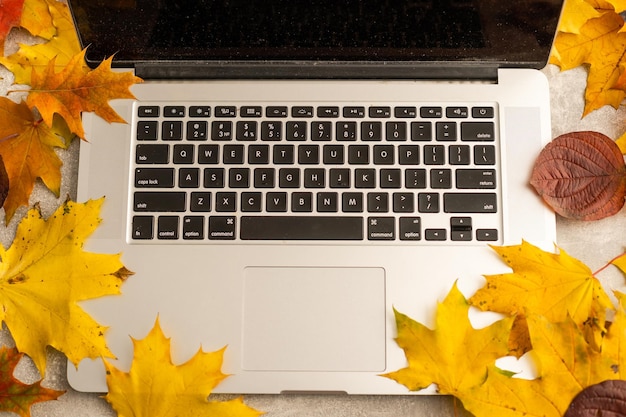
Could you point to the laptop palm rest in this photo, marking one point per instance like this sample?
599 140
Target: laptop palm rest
314 319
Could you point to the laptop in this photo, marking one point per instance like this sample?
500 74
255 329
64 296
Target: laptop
291 172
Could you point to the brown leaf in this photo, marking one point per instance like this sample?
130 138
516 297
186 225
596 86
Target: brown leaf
607 398
581 175
4 182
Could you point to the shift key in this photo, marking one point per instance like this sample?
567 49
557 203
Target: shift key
470 203
159 201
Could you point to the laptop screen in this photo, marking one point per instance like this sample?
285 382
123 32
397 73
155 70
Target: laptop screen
505 33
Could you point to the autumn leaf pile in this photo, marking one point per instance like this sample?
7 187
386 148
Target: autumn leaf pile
555 313
45 273
582 175
58 86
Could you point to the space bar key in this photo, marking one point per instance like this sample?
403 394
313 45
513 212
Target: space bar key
301 228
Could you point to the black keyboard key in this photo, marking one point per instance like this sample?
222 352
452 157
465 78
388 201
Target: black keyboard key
251 111
470 203
301 228
475 178
174 111
339 178
484 155
446 131
200 111
251 201
193 227
143 227
154 177
327 202
200 201
225 111
159 201
147 130
381 228
208 154
421 131
222 130
246 130
172 130
431 112
371 131
276 111
152 154
276 202
183 154
189 178
197 130
226 202
259 154
167 227
477 131
302 202
405 112
302 111
222 228
436 234
486 235
428 202
440 178
380 112
410 228
482 112
148 111
457 112
352 202
296 131
328 111
354 112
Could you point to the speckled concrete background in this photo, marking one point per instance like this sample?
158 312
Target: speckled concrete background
595 243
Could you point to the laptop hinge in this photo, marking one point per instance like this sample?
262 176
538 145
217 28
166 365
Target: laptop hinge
320 70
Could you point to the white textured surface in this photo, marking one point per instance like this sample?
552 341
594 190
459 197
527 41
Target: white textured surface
593 242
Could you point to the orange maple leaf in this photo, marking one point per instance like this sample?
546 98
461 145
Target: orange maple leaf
15 396
76 89
27 149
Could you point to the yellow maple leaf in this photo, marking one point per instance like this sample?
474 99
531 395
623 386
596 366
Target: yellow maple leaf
566 365
599 42
552 285
43 276
74 90
27 149
155 387
61 45
454 355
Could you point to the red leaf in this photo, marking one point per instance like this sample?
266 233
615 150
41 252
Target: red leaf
607 398
581 175
9 18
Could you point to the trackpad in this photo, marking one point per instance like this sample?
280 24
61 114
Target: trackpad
314 319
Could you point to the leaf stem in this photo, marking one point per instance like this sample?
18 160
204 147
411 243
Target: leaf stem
609 263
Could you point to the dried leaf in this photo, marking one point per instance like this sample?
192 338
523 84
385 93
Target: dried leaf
75 90
15 396
606 399
62 44
581 175
155 387
46 273
9 18
27 148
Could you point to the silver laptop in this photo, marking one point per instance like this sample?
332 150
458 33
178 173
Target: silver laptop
292 171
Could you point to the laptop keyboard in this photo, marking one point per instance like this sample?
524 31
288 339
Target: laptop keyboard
416 173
